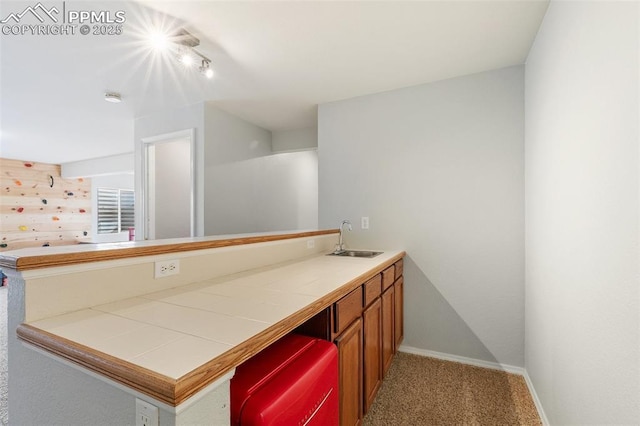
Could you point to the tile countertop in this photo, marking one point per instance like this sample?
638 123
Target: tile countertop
175 331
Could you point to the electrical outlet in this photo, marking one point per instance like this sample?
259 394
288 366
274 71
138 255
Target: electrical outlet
364 222
146 414
311 244
166 268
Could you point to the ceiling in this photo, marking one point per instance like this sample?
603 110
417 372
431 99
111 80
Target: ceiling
274 63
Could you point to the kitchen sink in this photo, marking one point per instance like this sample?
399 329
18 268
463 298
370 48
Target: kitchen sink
356 253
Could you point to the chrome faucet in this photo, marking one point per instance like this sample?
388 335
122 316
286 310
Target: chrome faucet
340 246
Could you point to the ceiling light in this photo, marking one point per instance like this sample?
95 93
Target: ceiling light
159 40
185 38
112 97
181 43
186 60
205 68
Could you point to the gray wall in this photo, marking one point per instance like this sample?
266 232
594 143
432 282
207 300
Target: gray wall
582 235
240 186
230 138
247 189
294 139
438 169
272 193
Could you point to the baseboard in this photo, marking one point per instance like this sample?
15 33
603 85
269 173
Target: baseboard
463 360
485 364
536 400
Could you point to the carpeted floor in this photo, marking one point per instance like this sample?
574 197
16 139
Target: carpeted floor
3 356
426 391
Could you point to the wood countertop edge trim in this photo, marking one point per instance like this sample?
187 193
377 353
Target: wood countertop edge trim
174 392
25 263
141 379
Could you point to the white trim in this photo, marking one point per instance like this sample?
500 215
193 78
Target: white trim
536 400
463 360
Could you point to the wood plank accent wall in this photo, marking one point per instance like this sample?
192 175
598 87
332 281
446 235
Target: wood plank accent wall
34 213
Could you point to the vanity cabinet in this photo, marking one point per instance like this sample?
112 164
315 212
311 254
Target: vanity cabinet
367 327
349 345
372 334
398 286
388 328
398 312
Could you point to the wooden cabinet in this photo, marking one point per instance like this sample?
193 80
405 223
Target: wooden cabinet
367 327
372 289
350 365
348 309
388 328
398 312
388 277
399 269
372 331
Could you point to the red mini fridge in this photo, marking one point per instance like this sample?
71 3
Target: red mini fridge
292 382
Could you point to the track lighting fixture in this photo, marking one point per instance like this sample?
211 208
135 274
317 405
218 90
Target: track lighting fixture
205 68
183 44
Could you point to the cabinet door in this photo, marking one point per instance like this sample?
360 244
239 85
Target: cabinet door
388 328
372 325
399 312
350 364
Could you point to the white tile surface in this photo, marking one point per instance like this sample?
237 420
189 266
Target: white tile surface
267 312
123 306
196 322
88 327
177 330
137 342
294 282
181 356
230 306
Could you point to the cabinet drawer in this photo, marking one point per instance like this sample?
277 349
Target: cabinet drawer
372 289
348 309
399 268
388 277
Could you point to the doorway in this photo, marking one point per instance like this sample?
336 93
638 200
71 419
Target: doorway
168 185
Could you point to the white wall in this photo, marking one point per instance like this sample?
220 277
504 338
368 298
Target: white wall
294 139
582 234
277 193
172 189
103 166
438 169
230 138
272 193
170 120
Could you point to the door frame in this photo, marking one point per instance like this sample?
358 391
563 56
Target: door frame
188 134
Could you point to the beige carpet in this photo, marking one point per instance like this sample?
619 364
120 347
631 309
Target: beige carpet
427 391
